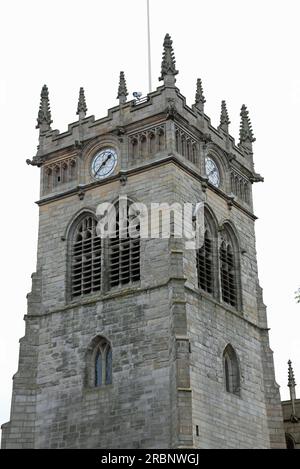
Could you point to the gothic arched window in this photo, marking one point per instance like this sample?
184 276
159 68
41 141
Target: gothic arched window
85 258
204 258
228 266
124 249
231 370
102 358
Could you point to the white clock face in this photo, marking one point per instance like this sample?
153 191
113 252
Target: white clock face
104 163
212 172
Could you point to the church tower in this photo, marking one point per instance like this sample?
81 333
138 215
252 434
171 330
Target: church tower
140 342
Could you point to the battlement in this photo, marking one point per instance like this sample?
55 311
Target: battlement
146 129
165 103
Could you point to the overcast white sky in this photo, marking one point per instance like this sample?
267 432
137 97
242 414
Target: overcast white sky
245 52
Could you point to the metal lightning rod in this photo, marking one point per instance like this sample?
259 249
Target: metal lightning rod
149 46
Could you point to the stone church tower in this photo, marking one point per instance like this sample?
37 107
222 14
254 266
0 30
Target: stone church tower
142 343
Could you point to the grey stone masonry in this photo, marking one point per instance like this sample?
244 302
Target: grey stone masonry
292 424
167 335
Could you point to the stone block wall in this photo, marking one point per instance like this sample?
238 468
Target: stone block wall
167 336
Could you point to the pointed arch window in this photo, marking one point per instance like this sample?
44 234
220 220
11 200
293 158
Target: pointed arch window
86 258
228 271
102 364
124 250
231 370
204 259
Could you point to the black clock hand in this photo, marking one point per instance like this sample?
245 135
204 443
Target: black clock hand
98 169
102 164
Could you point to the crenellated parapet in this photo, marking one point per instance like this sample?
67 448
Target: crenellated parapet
152 128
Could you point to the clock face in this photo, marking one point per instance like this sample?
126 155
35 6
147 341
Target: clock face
212 172
104 163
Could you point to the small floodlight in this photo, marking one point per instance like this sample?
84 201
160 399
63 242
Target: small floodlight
137 95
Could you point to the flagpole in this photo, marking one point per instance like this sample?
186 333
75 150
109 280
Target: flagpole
149 46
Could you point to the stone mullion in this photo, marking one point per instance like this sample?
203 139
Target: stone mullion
156 140
139 152
163 133
180 150
147 134
170 136
177 141
60 172
69 171
194 152
188 149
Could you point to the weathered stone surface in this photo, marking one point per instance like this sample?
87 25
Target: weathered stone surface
166 335
292 424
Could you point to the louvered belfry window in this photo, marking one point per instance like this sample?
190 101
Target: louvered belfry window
124 253
228 273
205 264
86 258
